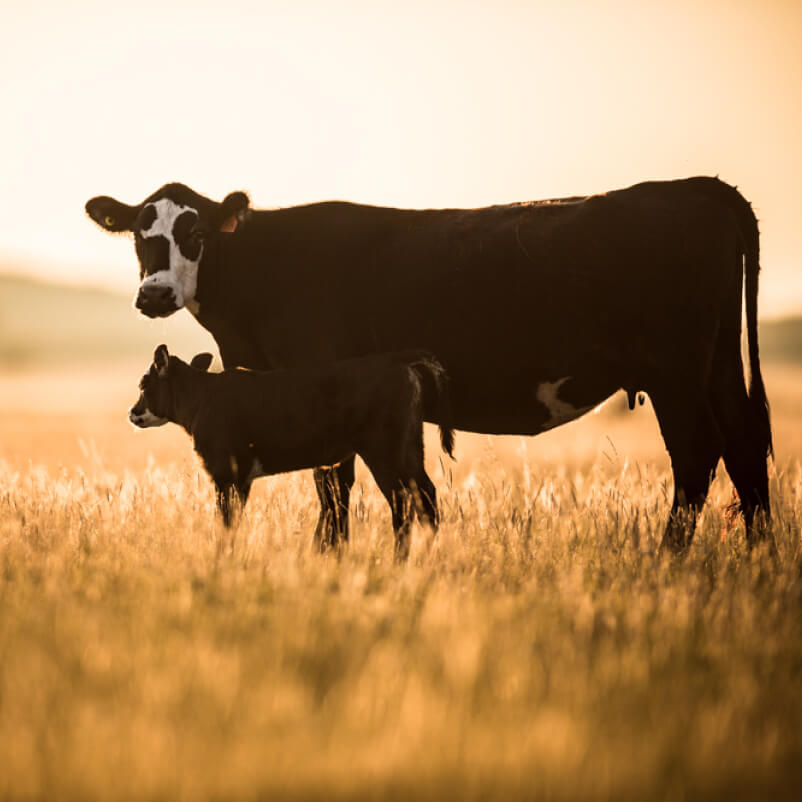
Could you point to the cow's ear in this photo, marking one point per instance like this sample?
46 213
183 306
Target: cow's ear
201 361
161 359
111 214
233 210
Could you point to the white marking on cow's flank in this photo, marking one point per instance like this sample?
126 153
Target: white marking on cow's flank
559 410
182 275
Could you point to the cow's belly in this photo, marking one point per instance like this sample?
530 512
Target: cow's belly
521 359
527 407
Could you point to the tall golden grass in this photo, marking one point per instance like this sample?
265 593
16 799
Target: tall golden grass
535 648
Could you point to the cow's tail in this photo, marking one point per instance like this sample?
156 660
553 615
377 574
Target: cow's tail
434 378
750 248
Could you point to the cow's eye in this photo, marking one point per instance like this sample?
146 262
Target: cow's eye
109 221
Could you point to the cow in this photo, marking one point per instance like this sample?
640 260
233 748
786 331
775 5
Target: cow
246 424
538 311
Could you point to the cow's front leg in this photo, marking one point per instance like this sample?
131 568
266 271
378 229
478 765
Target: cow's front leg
224 493
231 499
334 491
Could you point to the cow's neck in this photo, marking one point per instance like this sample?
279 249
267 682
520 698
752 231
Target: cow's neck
234 265
221 280
209 282
212 309
225 290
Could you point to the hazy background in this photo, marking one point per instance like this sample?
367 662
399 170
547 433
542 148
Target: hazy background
535 648
407 104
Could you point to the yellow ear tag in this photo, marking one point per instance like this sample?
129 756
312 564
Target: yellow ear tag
108 221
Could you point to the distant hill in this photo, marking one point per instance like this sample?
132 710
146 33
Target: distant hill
781 340
42 322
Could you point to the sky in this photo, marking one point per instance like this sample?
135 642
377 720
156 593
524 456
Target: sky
404 104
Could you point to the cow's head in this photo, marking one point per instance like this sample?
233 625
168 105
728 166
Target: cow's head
156 403
171 229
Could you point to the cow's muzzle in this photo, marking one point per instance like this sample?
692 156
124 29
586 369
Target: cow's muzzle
156 300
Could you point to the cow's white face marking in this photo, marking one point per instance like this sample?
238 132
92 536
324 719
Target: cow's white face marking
182 275
559 410
146 419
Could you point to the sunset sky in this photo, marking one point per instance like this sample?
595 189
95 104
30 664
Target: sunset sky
404 104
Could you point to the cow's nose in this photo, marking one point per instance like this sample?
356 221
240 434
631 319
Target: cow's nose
153 294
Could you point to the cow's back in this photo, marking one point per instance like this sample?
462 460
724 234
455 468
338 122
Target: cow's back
506 297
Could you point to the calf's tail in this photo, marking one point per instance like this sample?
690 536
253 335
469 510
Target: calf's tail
433 375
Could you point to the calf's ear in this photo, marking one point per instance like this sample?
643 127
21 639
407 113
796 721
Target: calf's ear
110 214
233 210
201 361
161 359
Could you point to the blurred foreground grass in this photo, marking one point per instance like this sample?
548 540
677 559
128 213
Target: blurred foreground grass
534 649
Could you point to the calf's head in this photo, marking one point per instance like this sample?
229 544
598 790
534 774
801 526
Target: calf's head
157 391
171 228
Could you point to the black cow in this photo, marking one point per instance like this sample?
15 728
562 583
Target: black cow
247 424
538 311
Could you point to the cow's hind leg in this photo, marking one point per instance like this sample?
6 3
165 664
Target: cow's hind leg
695 444
224 496
746 444
333 487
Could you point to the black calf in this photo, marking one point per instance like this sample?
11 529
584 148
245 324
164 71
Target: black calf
247 424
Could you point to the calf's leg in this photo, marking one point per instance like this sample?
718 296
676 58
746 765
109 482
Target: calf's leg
402 508
422 489
426 500
420 486
399 495
231 481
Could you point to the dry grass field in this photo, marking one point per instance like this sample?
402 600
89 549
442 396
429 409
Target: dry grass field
535 648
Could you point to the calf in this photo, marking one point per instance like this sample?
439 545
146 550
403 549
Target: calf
247 424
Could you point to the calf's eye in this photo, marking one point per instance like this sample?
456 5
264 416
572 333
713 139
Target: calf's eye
108 220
